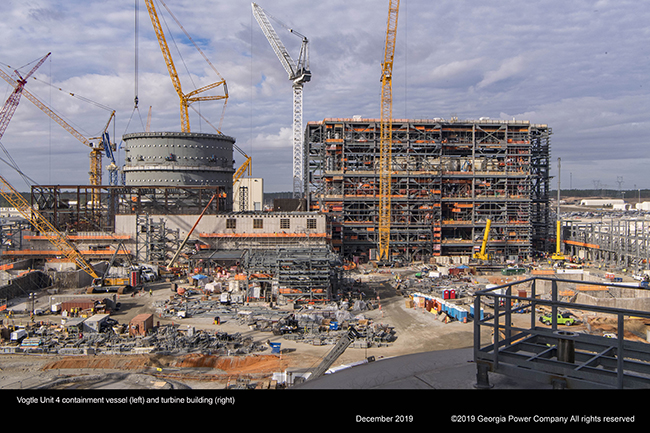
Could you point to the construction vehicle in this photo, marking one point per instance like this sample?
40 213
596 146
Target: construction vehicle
189 98
557 255
482 254
299 74
386 131
107 283
334 354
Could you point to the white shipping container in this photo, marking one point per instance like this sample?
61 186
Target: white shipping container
18 334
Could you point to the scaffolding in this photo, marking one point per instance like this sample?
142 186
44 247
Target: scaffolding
155 243
306 274
448 178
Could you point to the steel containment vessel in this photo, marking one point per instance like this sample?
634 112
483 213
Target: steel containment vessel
178 159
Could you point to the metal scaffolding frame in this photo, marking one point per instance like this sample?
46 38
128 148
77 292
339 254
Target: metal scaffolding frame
448 178
154 242
307 273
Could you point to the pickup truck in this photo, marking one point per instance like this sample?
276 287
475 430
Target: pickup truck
562 319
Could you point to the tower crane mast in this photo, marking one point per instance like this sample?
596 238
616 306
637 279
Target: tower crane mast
386 133
299 74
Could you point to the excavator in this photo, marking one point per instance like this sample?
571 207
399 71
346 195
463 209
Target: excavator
482 254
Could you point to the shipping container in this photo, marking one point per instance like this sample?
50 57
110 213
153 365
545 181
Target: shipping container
141 324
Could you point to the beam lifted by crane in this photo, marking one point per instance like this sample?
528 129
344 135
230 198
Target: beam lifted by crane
299 74
189 98
386 131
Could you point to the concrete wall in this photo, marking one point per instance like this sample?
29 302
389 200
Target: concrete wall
255 194
245 223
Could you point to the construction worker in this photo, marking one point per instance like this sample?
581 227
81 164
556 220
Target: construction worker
150 292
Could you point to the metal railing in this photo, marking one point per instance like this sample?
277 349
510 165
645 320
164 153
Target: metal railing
558 357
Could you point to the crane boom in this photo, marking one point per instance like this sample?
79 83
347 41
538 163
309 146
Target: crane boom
96 149
482 255
47 110
44 226
185 99
187 237
299 74
11 104
246 166
386 132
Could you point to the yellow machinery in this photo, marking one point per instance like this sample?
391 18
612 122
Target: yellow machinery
557 255
97 149
46 228
185 99
386 131
193 96
482 254
246 166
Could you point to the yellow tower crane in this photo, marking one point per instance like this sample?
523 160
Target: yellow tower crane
386 131
185 99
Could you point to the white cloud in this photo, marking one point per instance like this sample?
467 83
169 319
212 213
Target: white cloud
579 67
509 68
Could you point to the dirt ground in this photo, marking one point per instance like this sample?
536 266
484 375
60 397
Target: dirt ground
417 331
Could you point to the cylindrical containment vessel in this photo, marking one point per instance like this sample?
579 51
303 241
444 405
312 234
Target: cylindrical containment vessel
164 159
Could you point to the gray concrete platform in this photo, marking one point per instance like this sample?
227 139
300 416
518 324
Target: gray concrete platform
446 369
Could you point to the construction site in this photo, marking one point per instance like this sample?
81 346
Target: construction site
448 178
403 236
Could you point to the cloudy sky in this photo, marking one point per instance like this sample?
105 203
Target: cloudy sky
582 67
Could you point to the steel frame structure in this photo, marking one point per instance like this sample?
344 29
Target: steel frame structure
74 208
447 179
559 358
621 243
302 273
